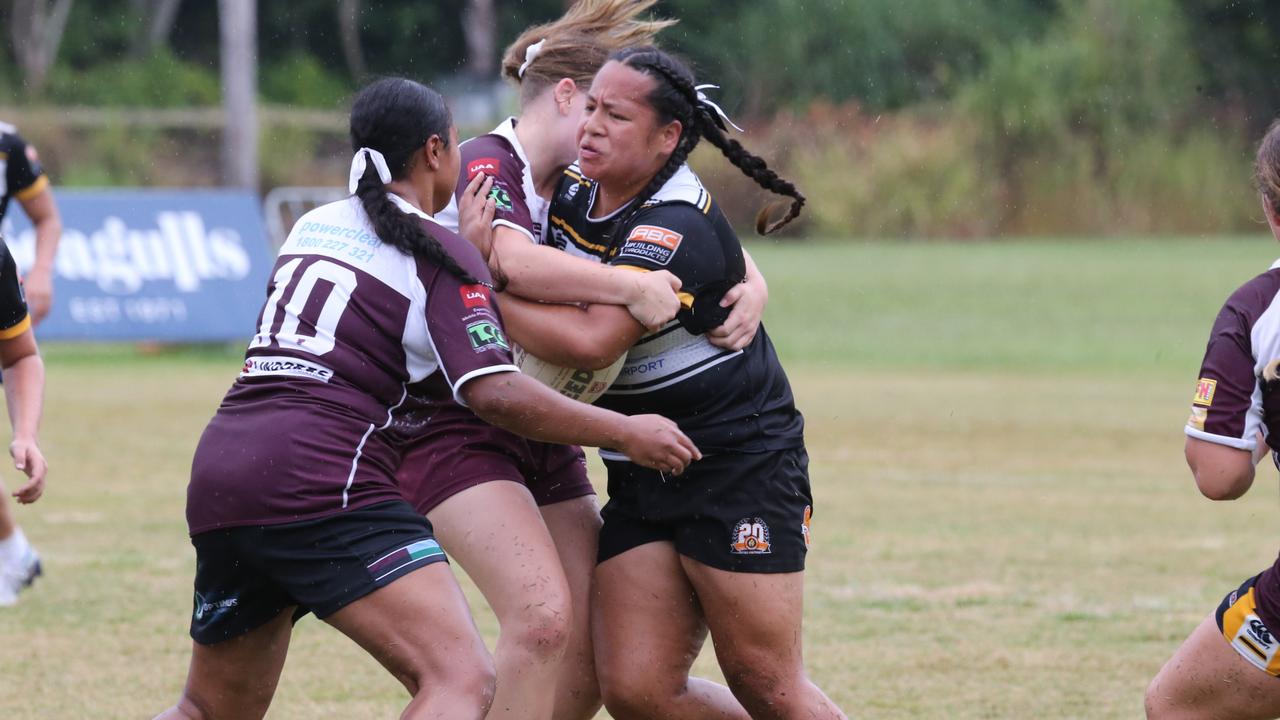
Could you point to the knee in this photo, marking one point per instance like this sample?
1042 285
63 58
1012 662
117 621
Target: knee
471 681
633 694
541 630
762 688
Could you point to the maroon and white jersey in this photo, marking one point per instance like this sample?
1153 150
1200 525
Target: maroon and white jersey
518 205
1230 406
348 326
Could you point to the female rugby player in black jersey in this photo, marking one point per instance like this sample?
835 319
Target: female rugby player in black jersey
721 546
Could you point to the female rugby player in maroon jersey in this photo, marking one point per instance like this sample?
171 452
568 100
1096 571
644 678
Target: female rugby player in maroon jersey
292 504
1230 665
720 546
480 486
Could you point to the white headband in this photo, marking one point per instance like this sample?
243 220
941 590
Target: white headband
359 164
529 55
704 100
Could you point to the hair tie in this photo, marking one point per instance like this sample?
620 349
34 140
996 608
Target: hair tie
529 54
359 164
721 116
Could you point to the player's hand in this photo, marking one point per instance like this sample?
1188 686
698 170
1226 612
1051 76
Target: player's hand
657 443
28 458
37 286
739 329
475 213
653 298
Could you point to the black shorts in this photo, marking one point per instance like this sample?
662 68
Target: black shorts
245 576
744 512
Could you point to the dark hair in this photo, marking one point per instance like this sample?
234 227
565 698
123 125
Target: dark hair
1266 168
396 117
675 97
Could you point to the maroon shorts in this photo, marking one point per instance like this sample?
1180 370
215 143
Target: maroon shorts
454 454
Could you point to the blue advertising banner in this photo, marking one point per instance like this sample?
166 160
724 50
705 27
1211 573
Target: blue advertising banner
177 266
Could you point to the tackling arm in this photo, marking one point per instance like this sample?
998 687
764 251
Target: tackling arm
540 272
590 338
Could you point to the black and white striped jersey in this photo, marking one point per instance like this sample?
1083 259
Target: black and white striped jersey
725 401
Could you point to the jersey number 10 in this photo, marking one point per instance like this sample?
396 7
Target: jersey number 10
341 283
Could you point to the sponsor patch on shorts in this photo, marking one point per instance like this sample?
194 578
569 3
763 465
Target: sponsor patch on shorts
279 365
750 537
652 243
804 527
1198 417
1204 392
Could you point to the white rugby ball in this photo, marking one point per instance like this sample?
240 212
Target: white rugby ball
582 385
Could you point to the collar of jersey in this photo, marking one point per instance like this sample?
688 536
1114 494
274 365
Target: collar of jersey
408 207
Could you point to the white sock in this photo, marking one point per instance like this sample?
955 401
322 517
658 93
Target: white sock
13 548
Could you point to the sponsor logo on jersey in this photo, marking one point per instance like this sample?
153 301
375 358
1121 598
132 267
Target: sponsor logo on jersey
572 191
1204 392
501 198
474 296
488 166
258 366
650 242
750 537
804 526
1198 416
485 335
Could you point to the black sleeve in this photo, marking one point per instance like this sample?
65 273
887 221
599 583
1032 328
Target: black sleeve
13 304
23 174
699 248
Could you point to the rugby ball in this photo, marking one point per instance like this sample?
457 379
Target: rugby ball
582 385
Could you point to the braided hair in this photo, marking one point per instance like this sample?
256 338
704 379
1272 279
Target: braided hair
675 97
396 117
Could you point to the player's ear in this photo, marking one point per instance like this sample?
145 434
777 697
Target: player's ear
669 136
563 93
433 151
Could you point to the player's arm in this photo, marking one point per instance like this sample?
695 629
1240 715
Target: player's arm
31 187
522 405
540 272
748 299
23 390
1221 472
590 337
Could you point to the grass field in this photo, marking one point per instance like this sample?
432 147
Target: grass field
1004 524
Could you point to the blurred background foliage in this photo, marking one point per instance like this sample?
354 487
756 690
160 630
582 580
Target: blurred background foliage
898 118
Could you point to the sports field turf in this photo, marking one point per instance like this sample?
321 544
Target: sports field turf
1004 525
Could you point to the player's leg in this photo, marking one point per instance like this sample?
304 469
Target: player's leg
1226 669
235 678
648 629
755 626
19 563
575 526
495 532
420 628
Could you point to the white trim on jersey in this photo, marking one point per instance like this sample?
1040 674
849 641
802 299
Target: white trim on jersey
355 461
457 389
1236 443
514 226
